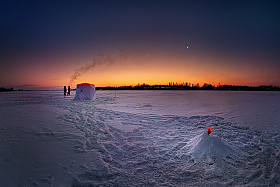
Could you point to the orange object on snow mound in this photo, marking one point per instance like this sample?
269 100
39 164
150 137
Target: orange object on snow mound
209 131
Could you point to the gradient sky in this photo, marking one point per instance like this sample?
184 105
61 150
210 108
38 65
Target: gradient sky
49 44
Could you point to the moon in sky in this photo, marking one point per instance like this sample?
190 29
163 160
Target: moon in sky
187 47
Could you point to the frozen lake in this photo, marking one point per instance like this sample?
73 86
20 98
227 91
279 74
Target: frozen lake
259 110
141 138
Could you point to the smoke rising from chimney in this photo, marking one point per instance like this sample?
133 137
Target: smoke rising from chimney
123 58
99 60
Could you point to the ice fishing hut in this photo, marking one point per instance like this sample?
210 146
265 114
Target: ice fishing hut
85 91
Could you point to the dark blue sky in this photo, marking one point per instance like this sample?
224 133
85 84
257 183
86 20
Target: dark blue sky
54 32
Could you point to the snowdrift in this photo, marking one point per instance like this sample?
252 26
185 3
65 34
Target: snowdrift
204 147
208 144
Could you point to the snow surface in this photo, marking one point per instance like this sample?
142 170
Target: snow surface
140 138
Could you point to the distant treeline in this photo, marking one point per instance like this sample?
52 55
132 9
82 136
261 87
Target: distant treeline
176 86
2 89
188 86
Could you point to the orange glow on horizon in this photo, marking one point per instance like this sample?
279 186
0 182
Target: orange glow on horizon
138 69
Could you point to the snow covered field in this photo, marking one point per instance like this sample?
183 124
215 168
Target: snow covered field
140 138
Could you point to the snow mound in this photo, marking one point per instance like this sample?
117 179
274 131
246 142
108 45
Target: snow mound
205 144
204 148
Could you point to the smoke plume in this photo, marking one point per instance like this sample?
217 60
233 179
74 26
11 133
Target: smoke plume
123 58
101 59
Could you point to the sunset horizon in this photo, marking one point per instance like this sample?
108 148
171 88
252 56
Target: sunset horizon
73 86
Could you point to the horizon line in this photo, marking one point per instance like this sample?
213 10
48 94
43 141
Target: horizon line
170 84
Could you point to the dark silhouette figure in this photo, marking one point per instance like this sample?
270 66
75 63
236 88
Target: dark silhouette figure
68 91
64 90
209 131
